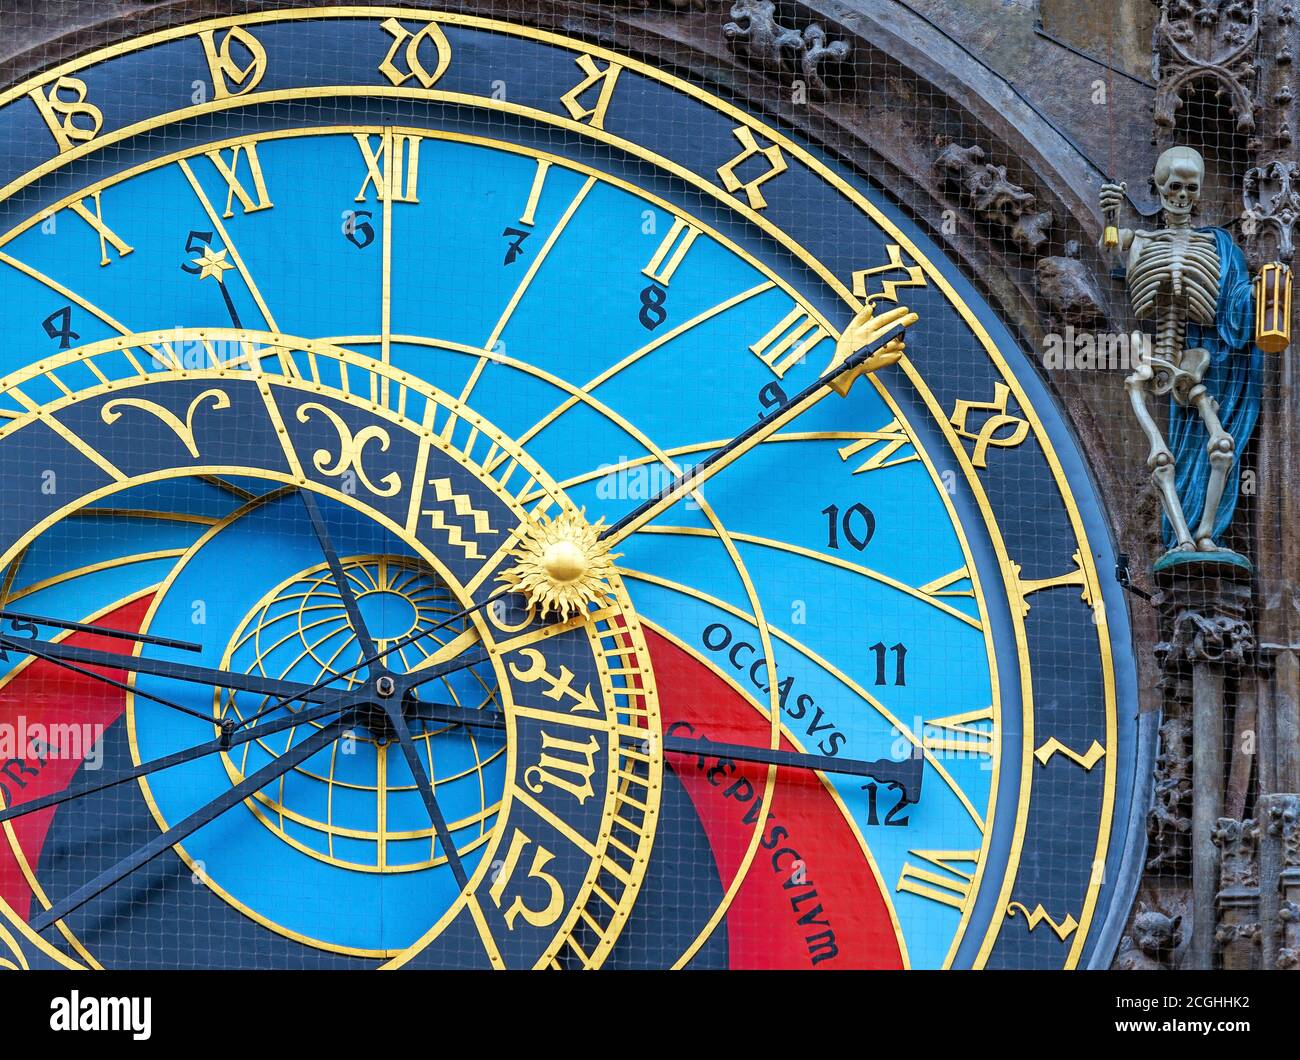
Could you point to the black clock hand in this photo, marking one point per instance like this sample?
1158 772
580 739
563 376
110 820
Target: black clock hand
290 691
25 646
461 662
247 787
426 793
103 631
896 321
887 330
176 758
906 774
416 677
230 306
397 645
368 651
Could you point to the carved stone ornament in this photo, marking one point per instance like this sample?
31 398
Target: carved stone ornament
1238 843
1223 639
1237 933
1069 291
1288 957
1169 823
1280 816
1282 820
1206 40
1227 934
1271 195
1151 945
754 33
987 192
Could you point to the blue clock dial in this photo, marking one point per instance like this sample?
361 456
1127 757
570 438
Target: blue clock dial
352 401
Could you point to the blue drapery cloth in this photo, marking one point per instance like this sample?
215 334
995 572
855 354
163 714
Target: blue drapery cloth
1232 378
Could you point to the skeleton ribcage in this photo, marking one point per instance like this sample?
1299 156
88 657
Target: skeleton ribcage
1176 275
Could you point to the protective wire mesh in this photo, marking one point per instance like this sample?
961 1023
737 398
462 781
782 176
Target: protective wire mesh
331 333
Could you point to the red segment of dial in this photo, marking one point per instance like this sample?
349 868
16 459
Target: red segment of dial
53 698
810 899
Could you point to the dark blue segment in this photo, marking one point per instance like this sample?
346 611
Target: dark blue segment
350 450
121 927
1057 867
42 473
678 894
225 421
526 913
552 764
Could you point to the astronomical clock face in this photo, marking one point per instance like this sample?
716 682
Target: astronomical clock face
340 352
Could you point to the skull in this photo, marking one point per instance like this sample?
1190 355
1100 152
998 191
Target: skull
1179 174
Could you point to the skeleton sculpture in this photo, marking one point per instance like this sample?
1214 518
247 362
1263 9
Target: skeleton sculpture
1192 284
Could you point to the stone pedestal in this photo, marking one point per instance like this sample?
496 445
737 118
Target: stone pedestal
1206 636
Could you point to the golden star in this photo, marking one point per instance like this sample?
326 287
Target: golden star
212 263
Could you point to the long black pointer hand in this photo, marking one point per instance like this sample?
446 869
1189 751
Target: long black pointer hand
9 644
898 318
21 618
392 706
247 787
368 649
176 758
426 793
461 662
285 692
906 774
291 691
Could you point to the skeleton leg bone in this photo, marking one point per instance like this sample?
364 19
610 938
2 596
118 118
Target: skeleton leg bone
1160 461
1222 451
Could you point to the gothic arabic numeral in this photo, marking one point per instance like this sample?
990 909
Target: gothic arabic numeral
360 233
58 325
848 522
773 398
652 312
900 662
515 246
892 820
195 244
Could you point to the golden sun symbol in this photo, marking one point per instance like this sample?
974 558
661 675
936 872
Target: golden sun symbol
561 564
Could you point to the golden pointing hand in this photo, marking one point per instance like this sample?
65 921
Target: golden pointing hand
863 331
563 564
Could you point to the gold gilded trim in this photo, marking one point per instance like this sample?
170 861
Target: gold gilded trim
793 151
